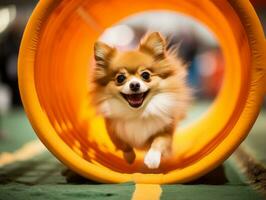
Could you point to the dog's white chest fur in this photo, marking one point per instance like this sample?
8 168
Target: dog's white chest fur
136 132
141 126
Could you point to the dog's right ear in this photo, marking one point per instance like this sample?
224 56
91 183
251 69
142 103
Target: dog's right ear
154 44
102 53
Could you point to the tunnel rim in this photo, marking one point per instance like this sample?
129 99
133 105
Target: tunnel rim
33 109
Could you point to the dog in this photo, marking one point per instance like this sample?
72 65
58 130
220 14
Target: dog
142 95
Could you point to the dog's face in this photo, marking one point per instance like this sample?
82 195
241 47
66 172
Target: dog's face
134 83
131 80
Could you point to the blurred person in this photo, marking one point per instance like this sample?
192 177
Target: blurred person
9 46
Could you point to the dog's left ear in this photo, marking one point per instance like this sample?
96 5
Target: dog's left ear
154 44
102 53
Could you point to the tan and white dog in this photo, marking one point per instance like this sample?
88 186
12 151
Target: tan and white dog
142 95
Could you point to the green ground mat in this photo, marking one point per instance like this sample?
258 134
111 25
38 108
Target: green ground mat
256 140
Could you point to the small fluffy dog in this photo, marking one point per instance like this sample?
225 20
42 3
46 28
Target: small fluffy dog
142 95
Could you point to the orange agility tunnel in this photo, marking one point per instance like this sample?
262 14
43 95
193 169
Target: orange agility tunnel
54 72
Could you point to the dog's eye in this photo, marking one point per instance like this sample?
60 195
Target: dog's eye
146 76
120 78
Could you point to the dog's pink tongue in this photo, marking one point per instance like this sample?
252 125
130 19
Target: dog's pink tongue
135 100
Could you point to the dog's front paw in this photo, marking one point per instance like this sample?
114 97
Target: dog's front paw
129 156
152 159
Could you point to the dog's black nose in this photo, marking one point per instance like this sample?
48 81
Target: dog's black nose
134 86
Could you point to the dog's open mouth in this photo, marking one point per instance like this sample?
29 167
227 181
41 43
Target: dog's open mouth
135 100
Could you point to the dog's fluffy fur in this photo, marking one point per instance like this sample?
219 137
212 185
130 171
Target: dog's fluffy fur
146 116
